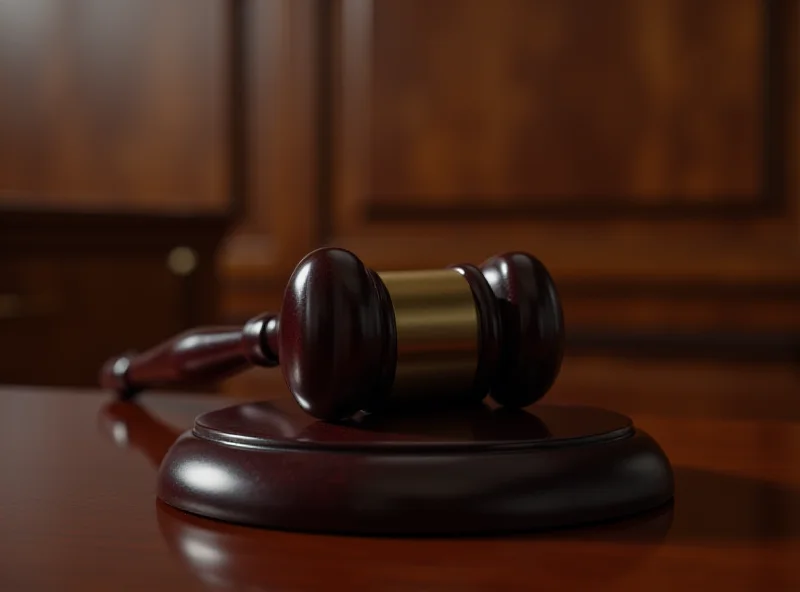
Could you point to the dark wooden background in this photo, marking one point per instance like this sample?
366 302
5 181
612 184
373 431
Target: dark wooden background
646 151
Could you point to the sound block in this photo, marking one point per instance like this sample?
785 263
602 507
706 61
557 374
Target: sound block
475 470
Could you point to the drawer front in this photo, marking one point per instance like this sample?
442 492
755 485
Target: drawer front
61 318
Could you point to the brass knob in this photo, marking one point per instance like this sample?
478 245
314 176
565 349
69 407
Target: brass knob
182 261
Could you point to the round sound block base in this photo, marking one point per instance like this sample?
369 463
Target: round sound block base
476 470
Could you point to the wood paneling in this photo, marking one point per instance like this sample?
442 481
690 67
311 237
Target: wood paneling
647 152
280 217
114 104
639 148
644 102
726 215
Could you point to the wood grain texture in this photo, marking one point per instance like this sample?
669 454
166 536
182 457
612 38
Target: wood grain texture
560 101
85 516
559 109
586 233
114 105
280 220
659 143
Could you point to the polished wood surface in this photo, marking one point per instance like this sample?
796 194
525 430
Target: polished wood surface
79 510
475 470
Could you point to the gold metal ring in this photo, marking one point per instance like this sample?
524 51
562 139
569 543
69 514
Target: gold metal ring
437 333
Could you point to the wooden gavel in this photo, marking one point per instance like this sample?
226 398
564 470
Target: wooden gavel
349 339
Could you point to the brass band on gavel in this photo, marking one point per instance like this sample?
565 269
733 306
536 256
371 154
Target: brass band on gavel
437 332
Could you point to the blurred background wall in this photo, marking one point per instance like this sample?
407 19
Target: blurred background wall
165 163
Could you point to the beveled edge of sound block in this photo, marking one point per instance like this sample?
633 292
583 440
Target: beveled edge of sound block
403 491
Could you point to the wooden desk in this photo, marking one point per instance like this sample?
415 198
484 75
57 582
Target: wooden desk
78 510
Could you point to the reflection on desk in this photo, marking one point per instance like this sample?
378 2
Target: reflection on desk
79 511
238 557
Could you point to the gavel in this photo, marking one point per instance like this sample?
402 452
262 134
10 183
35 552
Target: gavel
348 339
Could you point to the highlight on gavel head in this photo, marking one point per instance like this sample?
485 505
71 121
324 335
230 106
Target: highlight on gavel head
350 339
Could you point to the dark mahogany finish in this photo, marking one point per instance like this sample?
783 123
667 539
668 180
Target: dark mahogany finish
78 511
199 355
534 328
233 556
473 470
336 338
131 426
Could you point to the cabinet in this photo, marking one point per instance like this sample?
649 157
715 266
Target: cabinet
115 178
76 288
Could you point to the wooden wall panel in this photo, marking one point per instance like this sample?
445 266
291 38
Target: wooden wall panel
645 102
646 151
114 104
280 218
583 232
632 147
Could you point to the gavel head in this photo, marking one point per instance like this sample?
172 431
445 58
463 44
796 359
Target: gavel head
351 339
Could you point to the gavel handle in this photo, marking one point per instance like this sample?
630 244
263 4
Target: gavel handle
199 355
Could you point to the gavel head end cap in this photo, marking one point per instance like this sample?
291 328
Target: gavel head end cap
335 342
533 328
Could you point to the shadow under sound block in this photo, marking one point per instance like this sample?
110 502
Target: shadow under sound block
476 470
